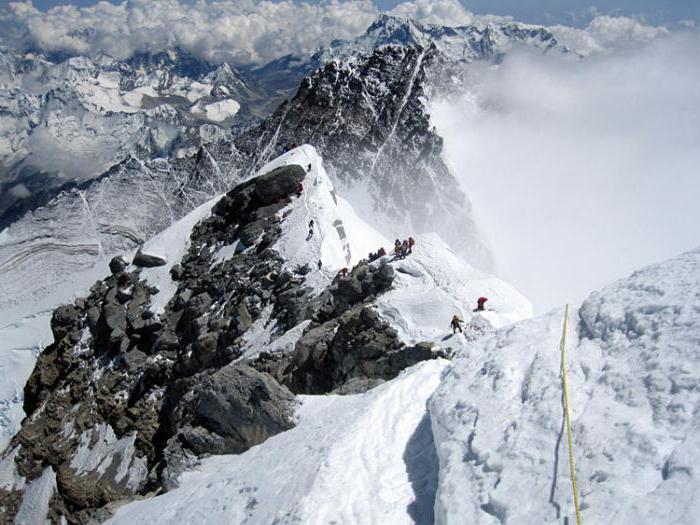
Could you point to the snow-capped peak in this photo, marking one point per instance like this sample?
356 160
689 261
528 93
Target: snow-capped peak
482 39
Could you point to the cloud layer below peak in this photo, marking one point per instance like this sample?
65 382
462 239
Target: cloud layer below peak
245 31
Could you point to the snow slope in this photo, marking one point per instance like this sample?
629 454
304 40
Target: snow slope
433 284
366 458
171 244
340 237
24 331
634 387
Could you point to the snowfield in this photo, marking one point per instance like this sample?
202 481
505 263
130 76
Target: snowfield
634 388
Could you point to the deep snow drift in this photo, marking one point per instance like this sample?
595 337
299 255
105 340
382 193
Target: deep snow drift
634 391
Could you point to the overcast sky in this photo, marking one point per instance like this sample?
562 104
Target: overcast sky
536 11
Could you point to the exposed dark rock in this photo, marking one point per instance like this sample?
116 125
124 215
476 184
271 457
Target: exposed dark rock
114 317
352 353
65 319
164 388
230 411
117 265
146 260
176 272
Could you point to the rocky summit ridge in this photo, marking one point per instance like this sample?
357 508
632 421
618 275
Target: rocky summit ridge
126 398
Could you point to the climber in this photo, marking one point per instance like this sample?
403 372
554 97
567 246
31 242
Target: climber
343 272
381 252
480 304
372 257
456 324
404 248
411 243
397 248
311 230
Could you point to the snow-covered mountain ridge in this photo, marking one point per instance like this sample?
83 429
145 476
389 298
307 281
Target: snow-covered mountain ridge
242 374
121 403
487 447
462 44
67 120
366 115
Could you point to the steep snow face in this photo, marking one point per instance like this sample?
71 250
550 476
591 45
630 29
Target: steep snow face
82 227
365 458
433 284
24 332
633 384
328 240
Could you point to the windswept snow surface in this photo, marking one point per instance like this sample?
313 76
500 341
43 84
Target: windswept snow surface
365 458
433 284
634 387
171 244
330 242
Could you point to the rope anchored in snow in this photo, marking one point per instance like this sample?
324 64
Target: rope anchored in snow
567 415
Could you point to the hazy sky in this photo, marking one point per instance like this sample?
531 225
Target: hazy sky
536 11
581 172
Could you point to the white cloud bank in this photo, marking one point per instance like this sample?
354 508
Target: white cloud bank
581 170
240 31
250 31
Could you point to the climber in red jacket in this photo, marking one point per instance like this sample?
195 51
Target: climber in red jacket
480 304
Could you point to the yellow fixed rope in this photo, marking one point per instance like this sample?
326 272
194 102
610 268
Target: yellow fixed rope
567 416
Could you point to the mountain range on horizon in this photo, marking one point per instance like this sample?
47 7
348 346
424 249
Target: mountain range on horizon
208 315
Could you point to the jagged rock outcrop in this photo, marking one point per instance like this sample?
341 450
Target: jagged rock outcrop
362 105
226 412
348 348
367 115
350 354
124 400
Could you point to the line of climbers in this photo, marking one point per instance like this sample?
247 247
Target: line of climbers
401 250
456 323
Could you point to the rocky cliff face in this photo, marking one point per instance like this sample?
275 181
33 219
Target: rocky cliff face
126 398
364 108
367 116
